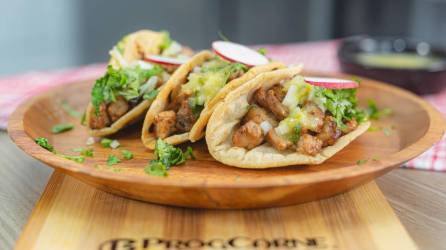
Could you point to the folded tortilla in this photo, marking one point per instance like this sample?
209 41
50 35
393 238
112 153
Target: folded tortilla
180 77
228 114
142 42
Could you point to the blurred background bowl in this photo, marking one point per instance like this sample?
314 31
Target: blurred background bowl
415 65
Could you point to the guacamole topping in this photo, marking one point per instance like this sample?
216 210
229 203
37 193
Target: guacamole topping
205 81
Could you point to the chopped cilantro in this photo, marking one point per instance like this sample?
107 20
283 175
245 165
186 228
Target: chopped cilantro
189 153
295 135
105 142
43 142
262 51
167 156
223 36
70 110
128 155
78 159
362 161
151 95
342 104
124 82
387 131
63 127
84 151
112 160
373 129
156 168
83 118
374 113
167 41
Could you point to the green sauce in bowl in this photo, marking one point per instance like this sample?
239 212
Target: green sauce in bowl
398 60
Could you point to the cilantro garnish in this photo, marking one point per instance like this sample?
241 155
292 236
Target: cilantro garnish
362 161
156 168
43 142
223 36
112 160
387 131
262 51
83 118
124 82
78 159
374 113
84 151
70 110
342 104
63 127
167 41
151 95
166 156
128 155
105 142
295 136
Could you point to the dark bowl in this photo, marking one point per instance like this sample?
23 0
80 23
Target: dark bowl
425 80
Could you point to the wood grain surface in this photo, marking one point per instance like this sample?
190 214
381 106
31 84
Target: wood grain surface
414 196
414 127
73 215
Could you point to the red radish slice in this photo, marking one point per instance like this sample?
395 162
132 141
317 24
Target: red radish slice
235 52
331 83
165 60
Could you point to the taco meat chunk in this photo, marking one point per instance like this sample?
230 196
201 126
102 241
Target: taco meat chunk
185 117
293 115
99 119
165 124
248 136
117 108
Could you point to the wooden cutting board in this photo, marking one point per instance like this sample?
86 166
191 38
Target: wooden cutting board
74 215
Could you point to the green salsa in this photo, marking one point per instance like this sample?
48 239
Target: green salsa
397 60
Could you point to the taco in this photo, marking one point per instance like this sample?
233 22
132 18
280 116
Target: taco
182 109
130 84
277 119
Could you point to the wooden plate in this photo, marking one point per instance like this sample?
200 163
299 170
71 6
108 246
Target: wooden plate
414 127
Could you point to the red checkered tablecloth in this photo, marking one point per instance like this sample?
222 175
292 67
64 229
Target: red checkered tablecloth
316 56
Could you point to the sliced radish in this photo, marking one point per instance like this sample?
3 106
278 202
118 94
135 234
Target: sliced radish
331 83
165 60
235 52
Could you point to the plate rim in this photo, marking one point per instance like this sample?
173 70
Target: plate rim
433 134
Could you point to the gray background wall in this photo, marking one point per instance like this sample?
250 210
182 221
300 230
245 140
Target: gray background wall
49 34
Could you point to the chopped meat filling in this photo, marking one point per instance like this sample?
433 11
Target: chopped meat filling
258 115
270 101
185 117
351 125
309 145
317 128
117 108
329 132
278 92
315 118
100 120
248 136
165 124
276 140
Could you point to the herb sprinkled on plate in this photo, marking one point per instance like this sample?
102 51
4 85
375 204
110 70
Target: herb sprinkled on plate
167 156
62 127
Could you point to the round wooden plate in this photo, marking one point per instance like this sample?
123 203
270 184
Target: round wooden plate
413 128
